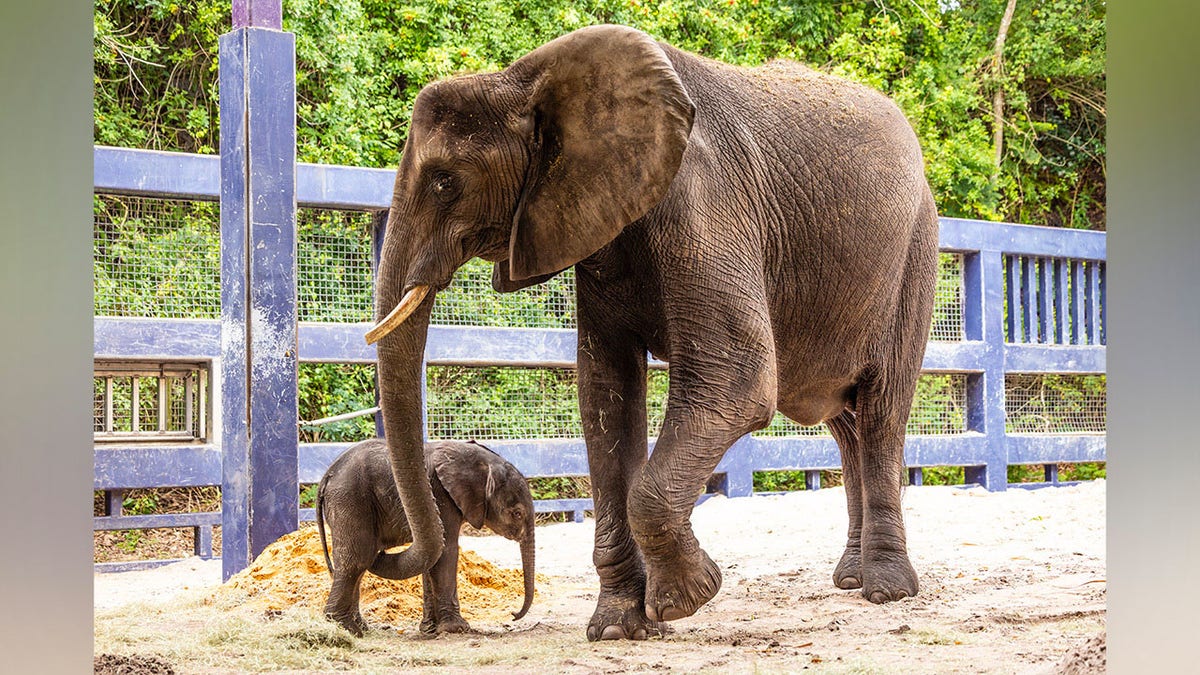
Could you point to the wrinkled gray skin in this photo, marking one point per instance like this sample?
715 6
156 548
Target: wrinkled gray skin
358 501
767 231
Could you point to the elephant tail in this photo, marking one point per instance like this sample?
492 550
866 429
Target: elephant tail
320 518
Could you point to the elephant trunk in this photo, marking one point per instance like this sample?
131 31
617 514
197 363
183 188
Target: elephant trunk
401 369
527 568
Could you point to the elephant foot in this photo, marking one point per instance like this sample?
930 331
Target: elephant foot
677 588
353 623
848 574
888 576
448 624
622 617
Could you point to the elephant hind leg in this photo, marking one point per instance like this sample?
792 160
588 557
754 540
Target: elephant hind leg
887 574
844 428
343 603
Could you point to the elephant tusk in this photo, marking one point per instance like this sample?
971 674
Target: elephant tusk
412 299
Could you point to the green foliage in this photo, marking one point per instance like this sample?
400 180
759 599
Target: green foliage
308 495
328 389
360 64
943 475
156 258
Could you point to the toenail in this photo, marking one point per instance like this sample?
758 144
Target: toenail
613 633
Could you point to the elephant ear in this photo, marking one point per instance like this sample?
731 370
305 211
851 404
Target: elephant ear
468 480
610 122
502 280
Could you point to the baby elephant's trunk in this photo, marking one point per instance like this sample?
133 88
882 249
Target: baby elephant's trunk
527 568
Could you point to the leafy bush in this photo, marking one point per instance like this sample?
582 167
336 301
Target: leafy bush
360 64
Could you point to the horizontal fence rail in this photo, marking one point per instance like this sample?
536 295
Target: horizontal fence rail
1020 319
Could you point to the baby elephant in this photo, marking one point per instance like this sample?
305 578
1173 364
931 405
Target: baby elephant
357 497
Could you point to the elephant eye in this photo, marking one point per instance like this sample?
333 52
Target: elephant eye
444 186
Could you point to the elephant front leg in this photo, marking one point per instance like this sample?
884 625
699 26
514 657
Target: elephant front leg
439 599
707 411
612 402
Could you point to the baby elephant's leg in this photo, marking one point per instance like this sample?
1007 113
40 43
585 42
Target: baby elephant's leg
342 605
440 596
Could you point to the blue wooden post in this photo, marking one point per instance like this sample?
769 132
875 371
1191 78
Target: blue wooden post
259 437
985 293
378 230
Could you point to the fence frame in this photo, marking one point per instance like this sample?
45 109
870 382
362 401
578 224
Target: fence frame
256 456
985 449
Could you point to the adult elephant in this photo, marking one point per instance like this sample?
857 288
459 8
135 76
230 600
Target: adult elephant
767 231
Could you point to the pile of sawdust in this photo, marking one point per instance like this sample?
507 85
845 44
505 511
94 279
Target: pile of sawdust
291 573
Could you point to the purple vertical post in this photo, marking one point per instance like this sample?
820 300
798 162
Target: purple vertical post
259 437
985 390
1013 279
258 14
1077 303
1046 300
378 230
1062 322
1028 300
1091 292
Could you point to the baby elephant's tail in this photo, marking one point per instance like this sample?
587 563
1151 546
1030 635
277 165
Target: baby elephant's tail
320 518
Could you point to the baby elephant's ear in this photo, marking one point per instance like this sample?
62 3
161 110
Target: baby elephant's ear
468 483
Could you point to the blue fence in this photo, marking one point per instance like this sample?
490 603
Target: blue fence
1032 301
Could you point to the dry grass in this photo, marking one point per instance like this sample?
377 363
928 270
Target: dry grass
228 636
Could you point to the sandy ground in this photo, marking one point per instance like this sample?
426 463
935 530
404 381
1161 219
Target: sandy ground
1010 583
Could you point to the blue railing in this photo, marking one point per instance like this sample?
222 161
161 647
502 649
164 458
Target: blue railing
1033 302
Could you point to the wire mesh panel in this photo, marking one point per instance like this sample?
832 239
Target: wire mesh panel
495 403
156 257
331 389
782 427
939 406
948 300
1055 404
334 266
470 301
1054 300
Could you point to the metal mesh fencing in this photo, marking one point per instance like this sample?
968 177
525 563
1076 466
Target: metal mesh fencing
470 301
494 403
948 300
939 407
156 257
329 389
97 405
1055 404
782 427
334 266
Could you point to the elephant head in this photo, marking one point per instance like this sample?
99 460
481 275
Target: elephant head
490 491
534 168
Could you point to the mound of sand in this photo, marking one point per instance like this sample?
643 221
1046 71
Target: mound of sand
1088 659
291 573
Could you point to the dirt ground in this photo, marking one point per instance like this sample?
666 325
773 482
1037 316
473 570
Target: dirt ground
1011 582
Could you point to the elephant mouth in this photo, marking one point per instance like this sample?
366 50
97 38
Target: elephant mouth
407 305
